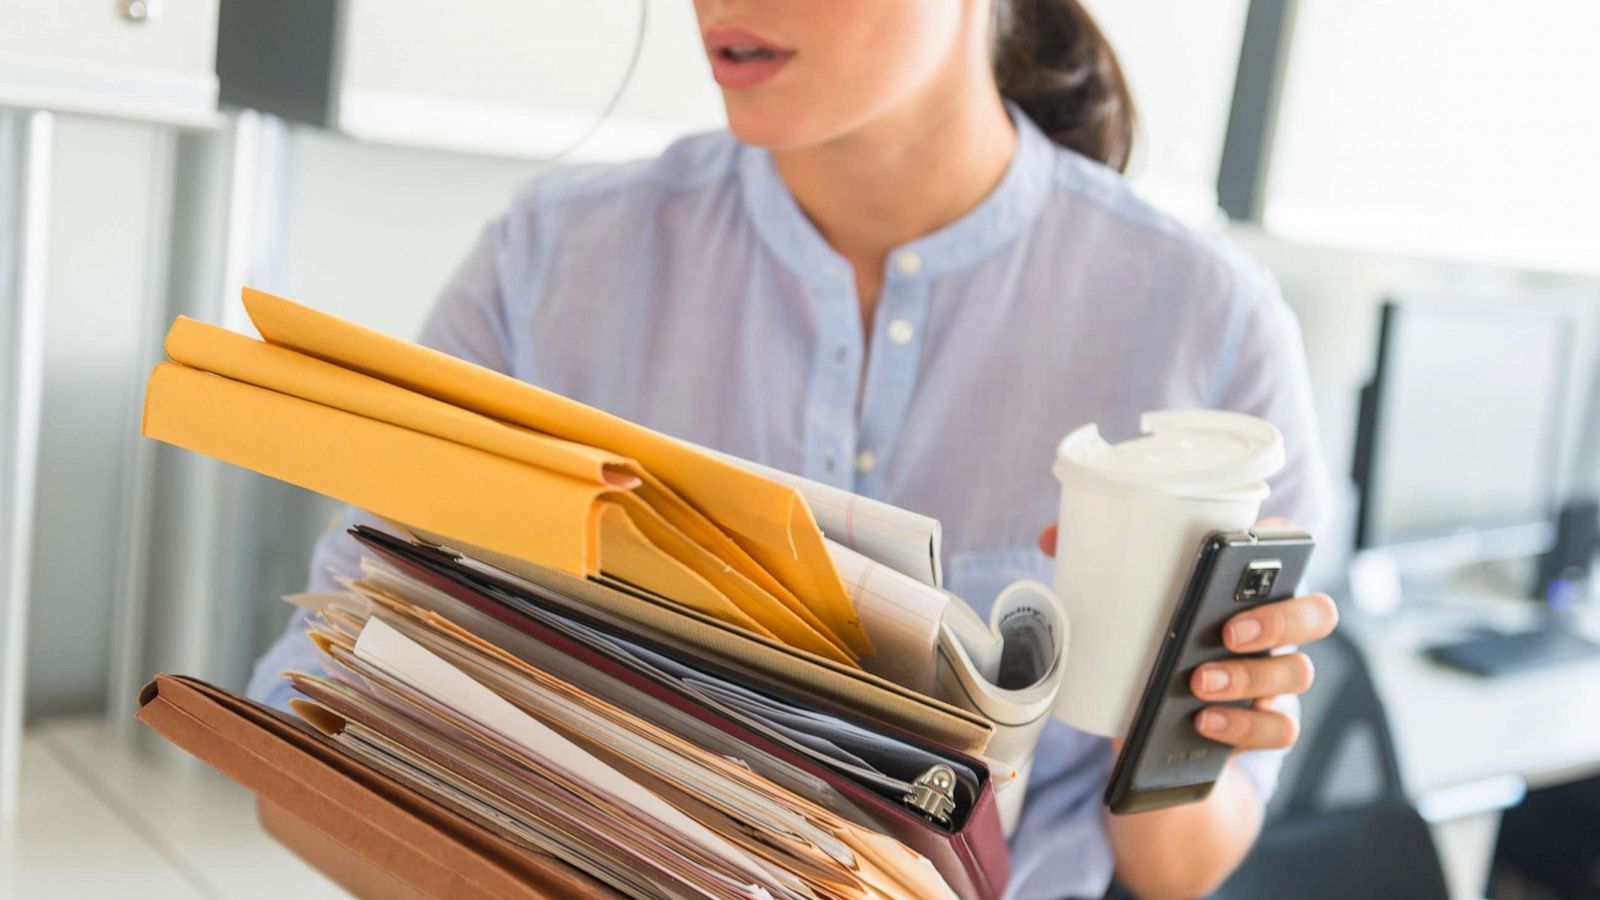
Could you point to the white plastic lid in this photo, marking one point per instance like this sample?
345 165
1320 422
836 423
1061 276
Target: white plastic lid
1184 452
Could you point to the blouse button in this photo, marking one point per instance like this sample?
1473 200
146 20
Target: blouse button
909 263
866 461
901 332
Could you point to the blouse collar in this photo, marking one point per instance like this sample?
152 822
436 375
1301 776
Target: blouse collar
993 225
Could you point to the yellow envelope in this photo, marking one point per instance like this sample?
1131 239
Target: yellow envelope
209 348
698 576
770 521
473 496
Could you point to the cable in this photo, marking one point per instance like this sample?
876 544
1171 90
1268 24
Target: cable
622 88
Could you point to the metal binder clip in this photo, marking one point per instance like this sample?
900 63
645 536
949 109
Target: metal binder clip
934 794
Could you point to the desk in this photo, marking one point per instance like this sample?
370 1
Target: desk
1453 730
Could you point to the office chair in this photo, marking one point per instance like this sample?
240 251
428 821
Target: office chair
1552 841
1339 825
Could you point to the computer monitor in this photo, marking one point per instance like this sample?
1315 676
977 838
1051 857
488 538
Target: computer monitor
1460 431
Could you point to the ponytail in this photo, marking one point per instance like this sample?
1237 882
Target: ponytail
1051 60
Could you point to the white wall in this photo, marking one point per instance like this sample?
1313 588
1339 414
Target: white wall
1180 60
373 232
107 215
1466 129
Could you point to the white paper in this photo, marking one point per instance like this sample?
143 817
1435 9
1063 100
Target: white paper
901 616
604 687
1021 649
905 541
385 647
931 641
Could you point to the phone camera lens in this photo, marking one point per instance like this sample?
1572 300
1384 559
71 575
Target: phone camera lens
1257 581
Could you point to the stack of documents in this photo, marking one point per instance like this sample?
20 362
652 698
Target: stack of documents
584 658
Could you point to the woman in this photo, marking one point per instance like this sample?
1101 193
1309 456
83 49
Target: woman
892 279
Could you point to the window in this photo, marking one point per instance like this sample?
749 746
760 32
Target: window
1463 129
1180 60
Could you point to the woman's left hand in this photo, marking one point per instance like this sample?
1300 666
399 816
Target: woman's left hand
1273 627
1270 627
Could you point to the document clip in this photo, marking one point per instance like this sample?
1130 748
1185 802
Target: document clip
933 794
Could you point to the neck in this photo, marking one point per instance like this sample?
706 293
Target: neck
905 174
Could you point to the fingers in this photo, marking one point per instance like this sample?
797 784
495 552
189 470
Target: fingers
1258 728
1249 679
1047 539
1274 522
1297 621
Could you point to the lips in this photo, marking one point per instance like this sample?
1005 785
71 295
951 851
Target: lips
742 59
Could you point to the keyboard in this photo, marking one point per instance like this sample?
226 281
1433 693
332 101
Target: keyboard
1496 653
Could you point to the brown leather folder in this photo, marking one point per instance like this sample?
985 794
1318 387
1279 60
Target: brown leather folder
371 834
332 857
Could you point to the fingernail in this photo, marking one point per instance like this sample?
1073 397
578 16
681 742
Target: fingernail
1213 679
1213 721
1243 631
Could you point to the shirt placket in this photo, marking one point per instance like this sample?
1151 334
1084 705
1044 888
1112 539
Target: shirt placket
830 432
892 365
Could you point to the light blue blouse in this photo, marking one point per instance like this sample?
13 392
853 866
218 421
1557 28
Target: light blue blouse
691 294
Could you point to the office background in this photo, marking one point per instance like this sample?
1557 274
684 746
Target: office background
1362 151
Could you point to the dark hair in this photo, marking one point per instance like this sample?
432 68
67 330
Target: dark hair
1051 59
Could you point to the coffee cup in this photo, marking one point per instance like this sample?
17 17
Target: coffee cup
1133 515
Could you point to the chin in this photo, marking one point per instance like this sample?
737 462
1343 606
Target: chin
764 133
770 132
774 125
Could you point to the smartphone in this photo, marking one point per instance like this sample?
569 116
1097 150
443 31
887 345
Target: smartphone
1165 760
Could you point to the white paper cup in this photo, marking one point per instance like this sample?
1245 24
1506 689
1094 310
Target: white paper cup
1132 518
